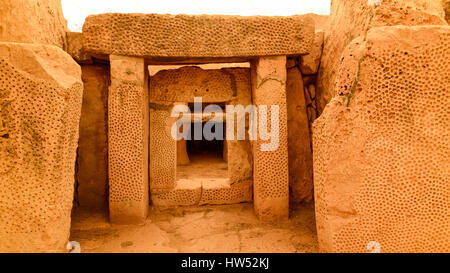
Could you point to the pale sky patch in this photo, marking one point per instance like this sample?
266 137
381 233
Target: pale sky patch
76 11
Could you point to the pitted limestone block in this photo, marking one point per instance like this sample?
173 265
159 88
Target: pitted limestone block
271 176
128 140
75 48
33 21
299 139
381 148
169 88
352 18
40 104
197 36
446 5
221 193
321 21
185 83
310 63
240 161
311 104
307 80
163 148
186 193
92 175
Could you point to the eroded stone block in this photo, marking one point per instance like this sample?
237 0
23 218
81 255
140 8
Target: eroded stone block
197 36
163 148
33 21
381 148
299 139
128 134
271 176
75 48
93 144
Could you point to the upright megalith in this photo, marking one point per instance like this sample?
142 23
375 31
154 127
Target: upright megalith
128 140
270 160
382 145
40 106
33 21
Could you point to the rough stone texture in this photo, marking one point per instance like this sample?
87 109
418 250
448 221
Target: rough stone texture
92 175
271 175
381 148
205 229
352 18
33 21
240 162
128 140
163 148
238 192
182 156
446 5
75 48
321 21
310 63
40 105
197 36
182 85
299 139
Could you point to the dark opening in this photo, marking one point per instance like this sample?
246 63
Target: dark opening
204 147
206 157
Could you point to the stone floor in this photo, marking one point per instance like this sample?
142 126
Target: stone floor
205 229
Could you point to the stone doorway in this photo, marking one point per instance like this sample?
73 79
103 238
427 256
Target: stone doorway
198 169
204 160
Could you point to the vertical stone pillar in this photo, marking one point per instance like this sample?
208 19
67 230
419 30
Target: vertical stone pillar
40 106
182 155
299 138
271 176
128 135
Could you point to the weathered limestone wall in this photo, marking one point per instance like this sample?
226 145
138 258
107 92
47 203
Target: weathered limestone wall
271 175
92 175
40 106
299 137
352 18
128 140
33 21
381 147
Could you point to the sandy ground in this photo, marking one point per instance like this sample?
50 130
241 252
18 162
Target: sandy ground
204 229
203 166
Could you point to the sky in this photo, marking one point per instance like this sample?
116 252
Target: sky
76 11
